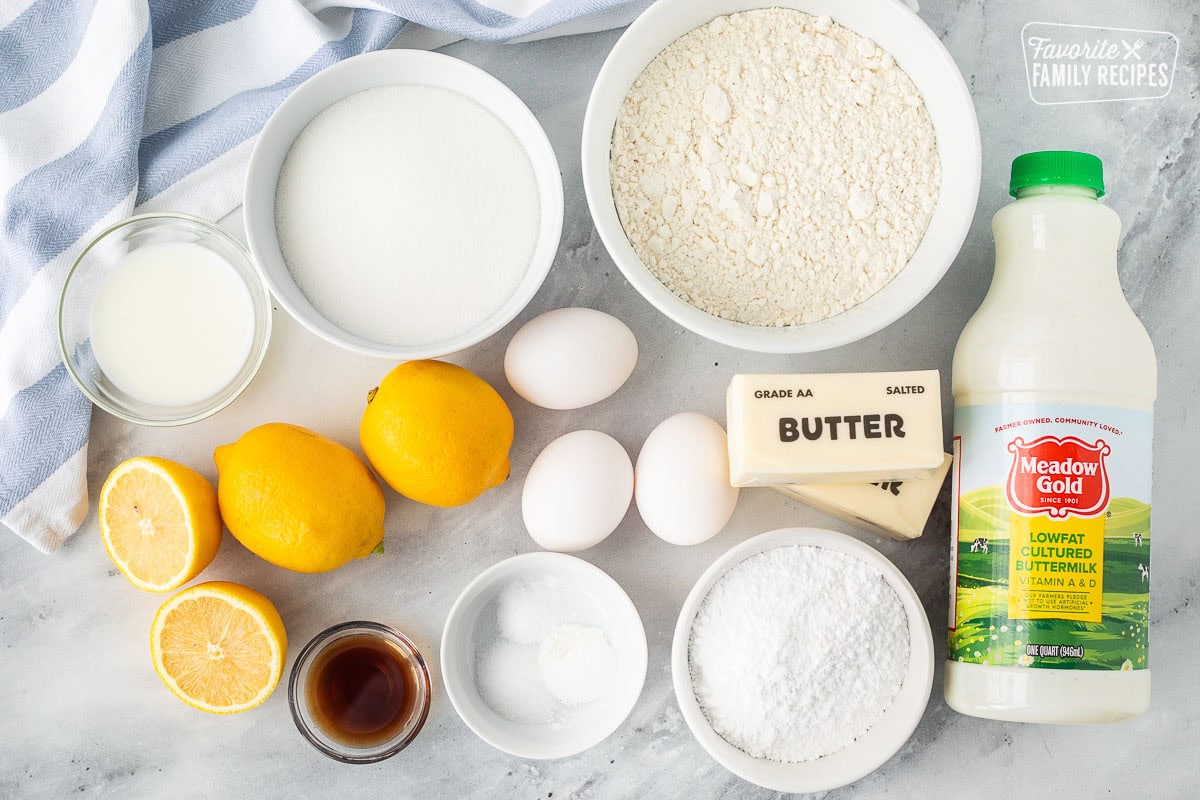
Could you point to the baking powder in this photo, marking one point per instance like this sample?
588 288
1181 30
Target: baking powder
798 651
774 168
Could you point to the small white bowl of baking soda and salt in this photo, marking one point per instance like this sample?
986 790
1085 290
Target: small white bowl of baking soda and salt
543 655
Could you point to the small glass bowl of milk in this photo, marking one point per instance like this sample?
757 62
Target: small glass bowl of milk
163 319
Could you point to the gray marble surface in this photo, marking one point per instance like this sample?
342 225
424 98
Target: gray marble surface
83 715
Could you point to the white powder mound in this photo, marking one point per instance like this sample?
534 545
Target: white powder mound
797 652
577 663
407 215
508 680
538 665
527 610
774 168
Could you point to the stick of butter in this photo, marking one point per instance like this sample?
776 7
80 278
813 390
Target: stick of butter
847 428
895 509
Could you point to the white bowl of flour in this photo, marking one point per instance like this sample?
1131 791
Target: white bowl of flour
403 204
802 660
779 181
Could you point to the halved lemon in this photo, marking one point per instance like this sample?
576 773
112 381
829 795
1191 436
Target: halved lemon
159 521
219 647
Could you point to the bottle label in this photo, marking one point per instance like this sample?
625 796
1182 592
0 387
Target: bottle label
1050 550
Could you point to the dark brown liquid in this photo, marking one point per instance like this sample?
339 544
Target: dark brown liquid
362 691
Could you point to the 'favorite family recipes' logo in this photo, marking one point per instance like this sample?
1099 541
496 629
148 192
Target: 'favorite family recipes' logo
1085 64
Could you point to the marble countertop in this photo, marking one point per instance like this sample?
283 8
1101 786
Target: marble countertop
85 716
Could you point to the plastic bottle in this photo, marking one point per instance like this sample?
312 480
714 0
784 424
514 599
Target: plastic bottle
1054 382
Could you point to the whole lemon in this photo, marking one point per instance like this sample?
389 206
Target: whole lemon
298 499
437 433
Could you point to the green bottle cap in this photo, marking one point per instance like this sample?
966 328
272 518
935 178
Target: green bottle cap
1061 167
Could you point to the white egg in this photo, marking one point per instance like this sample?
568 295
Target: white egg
683 491
570 358
577 491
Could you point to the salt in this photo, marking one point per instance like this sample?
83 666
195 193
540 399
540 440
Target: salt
407 215
503 673
527 610
798 651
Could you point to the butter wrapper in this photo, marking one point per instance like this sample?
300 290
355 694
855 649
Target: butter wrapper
834 428
893 509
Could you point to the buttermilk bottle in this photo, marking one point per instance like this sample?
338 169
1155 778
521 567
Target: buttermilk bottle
1054 382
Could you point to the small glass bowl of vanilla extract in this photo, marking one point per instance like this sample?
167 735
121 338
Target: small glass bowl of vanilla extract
359 692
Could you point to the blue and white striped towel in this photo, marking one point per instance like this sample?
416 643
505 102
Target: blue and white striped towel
111 105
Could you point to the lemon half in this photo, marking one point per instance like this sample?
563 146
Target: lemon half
219 647
159 522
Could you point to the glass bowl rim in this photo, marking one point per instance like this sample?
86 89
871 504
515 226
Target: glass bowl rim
255 286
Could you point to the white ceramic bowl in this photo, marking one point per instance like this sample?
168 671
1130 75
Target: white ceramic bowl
467 624
369 71
867 753
916 49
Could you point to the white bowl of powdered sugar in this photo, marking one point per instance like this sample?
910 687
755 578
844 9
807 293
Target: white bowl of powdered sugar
403 204
783 176
802 660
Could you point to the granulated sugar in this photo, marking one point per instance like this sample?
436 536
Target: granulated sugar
407 215
774 168
798 651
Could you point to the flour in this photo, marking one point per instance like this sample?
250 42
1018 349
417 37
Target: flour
774 168
798 651
407 215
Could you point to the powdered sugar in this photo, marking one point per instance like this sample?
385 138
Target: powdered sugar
798 651
774 168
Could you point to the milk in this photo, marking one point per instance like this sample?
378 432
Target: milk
172 324
1054 383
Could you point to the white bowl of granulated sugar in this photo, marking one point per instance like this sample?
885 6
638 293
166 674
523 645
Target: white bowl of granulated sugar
802 660
784 176
403 204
